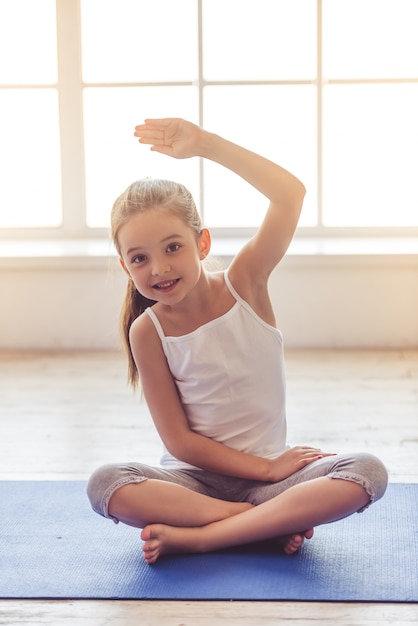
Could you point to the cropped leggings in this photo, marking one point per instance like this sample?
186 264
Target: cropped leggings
361 468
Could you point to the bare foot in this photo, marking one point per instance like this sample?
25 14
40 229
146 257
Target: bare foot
292 543
162 539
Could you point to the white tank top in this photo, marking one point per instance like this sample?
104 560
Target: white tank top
230 377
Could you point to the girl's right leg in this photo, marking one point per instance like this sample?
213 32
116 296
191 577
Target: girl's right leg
138 495
139 504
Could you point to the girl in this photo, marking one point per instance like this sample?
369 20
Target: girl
210 360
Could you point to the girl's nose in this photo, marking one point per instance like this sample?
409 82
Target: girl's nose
160 268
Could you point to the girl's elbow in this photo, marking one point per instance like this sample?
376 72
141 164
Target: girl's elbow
180 450
301 192
299 198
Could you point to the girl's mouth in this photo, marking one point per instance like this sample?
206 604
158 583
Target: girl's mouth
166 285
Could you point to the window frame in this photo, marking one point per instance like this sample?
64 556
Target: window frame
70 93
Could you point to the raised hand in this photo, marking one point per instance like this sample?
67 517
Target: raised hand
293 460
171 136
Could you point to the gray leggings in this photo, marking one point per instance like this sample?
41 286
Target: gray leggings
361 468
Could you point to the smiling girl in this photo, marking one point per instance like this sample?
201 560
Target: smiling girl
209 357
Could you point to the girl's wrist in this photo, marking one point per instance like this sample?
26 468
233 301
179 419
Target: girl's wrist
265 470
207 144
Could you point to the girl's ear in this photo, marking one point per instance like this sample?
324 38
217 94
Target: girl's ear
123 266
204 243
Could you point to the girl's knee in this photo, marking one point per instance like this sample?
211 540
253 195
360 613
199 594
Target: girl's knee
365 469
105 481
98 485
375 473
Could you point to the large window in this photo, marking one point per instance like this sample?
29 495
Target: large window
328 89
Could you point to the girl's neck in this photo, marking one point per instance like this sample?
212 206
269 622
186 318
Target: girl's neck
209 300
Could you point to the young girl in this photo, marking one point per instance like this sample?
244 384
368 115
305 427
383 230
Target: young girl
210 361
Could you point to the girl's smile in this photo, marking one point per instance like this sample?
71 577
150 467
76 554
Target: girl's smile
167 285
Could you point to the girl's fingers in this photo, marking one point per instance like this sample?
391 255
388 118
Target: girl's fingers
314 455
152 141
162 121
155 123
150 134
149 131
153 126
309 450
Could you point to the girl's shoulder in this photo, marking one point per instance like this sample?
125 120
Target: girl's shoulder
142 334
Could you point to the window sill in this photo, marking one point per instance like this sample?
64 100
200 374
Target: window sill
73 253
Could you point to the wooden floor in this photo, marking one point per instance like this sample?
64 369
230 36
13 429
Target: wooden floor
62 415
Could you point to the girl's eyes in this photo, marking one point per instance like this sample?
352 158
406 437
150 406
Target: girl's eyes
141 258
173 247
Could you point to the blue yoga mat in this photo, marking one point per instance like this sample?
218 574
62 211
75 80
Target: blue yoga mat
53 546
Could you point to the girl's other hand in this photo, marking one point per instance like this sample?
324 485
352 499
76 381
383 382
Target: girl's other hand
293 460
171 136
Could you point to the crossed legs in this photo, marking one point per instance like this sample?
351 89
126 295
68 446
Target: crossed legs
175 519
179 511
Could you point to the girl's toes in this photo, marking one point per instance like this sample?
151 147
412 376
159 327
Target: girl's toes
293 544
309 533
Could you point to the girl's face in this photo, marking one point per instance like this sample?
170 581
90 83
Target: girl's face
162 254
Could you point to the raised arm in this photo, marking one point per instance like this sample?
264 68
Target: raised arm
181 139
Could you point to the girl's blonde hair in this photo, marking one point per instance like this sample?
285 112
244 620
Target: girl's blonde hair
141 196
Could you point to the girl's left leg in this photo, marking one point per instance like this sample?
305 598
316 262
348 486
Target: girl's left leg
327 490
301 507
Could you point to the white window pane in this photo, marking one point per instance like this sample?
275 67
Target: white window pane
139 40
371 155
28 42
114 158
261 40
370 38
30 190
275 121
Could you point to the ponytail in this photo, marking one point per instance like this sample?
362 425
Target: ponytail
133 305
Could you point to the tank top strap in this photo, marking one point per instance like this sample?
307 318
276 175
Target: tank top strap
232 290
248 307
156 322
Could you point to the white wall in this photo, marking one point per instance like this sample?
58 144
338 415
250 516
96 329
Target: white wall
331 300
357 302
